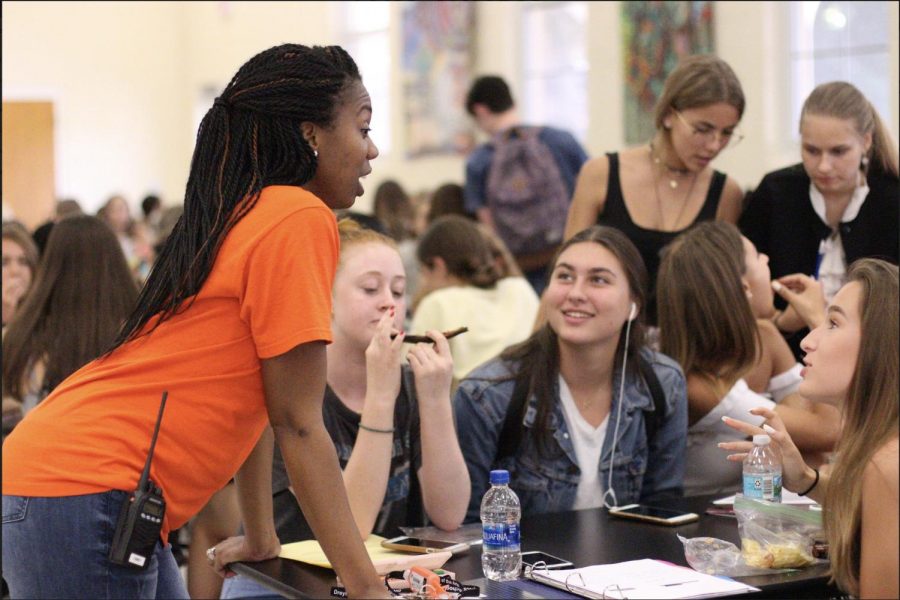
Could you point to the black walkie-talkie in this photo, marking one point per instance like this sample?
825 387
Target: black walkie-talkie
141 517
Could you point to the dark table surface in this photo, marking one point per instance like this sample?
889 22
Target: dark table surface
584 537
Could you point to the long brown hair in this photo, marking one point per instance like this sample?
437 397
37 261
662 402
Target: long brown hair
842 100
538 356
705 321
459 243
870 415
82 292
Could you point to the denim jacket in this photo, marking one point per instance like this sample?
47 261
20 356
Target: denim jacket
641 472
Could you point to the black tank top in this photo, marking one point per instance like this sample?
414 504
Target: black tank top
649 242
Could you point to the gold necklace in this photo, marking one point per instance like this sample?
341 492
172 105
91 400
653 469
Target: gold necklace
684 203
681 172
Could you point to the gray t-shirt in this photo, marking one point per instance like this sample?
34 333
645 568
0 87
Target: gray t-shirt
402 505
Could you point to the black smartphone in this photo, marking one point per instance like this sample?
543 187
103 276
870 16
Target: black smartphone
411 544
529 559
654 514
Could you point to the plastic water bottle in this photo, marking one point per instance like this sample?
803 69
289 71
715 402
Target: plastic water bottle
501 556
762 471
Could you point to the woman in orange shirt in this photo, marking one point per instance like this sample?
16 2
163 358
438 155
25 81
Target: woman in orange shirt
232 323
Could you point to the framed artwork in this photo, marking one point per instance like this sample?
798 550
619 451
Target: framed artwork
655 36
438 39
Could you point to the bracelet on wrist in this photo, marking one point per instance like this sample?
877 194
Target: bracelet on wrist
375 429
814 484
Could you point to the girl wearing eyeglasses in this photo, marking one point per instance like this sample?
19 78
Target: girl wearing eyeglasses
655 191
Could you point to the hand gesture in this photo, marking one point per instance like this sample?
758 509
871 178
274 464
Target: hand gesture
236 549
383 362
13 290
432 366
806 299
794 475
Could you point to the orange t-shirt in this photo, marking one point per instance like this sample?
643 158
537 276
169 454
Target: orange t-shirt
269 290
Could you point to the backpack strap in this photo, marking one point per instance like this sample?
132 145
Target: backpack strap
651 419
511 434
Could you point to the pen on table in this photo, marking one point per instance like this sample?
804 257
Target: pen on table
415 339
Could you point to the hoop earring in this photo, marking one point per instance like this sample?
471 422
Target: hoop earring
315 153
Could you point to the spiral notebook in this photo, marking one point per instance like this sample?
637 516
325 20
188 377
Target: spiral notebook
644 578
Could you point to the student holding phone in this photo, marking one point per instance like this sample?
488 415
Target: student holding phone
233 322
853 362
391 424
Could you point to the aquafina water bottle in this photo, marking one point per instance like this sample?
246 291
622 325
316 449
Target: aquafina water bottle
501 555
762 471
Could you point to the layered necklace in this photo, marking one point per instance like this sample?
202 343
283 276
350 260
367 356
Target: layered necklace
673 184
673 171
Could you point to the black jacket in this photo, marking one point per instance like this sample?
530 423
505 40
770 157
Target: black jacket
780 220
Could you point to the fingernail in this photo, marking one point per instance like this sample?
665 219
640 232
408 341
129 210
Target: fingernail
751 411
768 429
725 419
776 286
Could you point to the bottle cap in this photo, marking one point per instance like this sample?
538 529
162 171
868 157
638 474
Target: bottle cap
499 477
761 439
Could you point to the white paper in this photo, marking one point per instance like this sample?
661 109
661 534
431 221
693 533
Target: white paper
645 578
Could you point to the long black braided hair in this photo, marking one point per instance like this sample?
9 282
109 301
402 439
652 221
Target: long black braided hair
250 138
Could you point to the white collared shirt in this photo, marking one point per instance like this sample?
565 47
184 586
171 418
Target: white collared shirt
832 261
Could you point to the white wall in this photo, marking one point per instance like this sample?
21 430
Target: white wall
126 78
115 72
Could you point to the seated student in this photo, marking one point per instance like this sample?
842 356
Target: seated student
392 425
852 363
582 413
20 259
82 293
714 322
461 287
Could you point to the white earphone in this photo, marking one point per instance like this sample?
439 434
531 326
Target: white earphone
633 313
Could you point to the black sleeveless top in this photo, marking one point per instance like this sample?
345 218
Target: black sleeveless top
650 242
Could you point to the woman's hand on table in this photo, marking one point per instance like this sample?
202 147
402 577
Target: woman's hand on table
237 549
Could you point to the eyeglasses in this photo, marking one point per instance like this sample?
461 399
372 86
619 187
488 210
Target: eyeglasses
705 134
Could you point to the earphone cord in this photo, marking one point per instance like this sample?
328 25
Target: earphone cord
610 492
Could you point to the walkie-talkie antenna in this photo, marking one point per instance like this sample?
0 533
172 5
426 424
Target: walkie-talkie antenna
145 475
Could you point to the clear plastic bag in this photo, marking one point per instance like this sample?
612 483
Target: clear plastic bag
774 538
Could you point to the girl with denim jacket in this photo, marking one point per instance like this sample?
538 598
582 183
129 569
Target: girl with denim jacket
583 440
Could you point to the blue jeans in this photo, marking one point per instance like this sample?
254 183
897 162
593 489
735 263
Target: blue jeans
59 548
244 587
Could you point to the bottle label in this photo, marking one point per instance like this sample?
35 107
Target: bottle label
763 487
500 536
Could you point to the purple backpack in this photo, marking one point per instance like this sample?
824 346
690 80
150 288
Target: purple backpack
526 194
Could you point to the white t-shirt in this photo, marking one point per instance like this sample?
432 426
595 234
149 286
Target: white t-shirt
588 443
706 469
496 318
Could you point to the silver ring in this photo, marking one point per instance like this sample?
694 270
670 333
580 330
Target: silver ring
211 554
